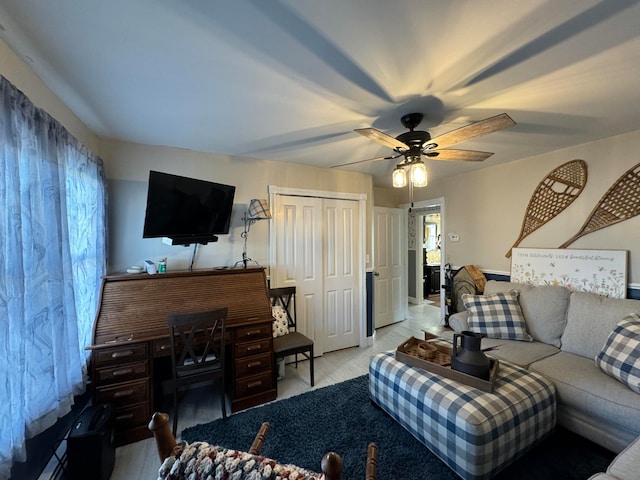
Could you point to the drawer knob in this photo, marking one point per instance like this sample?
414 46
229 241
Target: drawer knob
256 384
127 416
122 371
251 348
252 332
254 364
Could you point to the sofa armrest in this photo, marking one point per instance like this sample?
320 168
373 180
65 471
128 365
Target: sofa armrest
626 465
458 321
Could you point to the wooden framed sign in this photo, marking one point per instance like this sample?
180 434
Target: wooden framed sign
597 271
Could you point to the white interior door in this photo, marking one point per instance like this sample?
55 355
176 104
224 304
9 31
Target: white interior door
298 224
390 241
316 251
342 308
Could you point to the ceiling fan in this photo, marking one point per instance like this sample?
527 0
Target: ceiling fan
416 143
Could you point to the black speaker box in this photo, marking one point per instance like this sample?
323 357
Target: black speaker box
90 450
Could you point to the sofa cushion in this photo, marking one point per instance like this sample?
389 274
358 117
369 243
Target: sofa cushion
590 319
497 315
458 321
620 355
582 387
519 353
544 308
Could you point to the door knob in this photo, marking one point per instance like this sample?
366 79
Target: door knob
377 274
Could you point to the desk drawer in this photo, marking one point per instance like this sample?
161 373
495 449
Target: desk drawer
252 348
120 373
124 353
255 331
133 416
126 393
253 385
161 348
247 366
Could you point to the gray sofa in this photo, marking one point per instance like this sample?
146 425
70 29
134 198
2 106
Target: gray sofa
626 466
569 329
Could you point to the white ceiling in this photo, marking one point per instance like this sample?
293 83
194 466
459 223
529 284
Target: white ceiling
289 80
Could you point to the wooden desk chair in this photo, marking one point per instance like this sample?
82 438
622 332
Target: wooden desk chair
294 342
197 352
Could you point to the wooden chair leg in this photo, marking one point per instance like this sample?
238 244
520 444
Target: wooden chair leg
256 446
332 466
311 365
175 411
372 462
165 441
223 397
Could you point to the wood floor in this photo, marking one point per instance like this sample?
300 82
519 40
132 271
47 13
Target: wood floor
139 460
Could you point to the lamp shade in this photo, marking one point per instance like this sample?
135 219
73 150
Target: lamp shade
419 176
258 209
399 177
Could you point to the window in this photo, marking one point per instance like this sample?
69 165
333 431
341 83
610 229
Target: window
52 255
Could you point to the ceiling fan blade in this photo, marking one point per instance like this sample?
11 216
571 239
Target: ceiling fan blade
382 138
365 161
483 127
458 155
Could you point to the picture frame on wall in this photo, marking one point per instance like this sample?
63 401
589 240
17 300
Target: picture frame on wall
603 272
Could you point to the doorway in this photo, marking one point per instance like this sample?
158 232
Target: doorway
426 255
390 285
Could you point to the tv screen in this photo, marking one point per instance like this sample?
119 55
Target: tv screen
182 208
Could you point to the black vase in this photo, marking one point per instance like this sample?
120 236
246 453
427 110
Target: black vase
467 357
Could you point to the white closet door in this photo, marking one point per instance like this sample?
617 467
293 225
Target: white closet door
390 241
298 223
316 251
342 308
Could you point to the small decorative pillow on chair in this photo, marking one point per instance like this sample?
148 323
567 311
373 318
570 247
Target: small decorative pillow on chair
497 315
620 355
280 323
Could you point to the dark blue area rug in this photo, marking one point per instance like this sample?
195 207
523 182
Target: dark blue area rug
341 418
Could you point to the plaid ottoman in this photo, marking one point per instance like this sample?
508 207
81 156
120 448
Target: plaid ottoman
475 433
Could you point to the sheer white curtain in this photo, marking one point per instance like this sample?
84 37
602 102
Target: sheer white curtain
52 255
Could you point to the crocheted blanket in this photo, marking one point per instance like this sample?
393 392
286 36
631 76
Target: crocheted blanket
201 461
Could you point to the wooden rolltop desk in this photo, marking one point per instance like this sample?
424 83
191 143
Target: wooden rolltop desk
131 339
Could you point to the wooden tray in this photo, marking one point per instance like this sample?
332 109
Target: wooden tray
441 364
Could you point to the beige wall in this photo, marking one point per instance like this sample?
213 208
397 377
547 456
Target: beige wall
387 197
486 208
127 168
18 73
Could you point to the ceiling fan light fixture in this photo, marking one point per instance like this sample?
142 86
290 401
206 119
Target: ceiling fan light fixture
419 175
399 177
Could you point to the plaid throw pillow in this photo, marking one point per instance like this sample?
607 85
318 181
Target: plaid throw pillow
497 315
280 324
620 356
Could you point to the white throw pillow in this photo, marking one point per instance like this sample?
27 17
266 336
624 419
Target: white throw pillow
497 315
280 324
620 355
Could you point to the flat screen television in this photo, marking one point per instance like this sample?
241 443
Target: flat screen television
187 210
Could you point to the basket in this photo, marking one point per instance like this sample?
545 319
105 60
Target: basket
440 362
